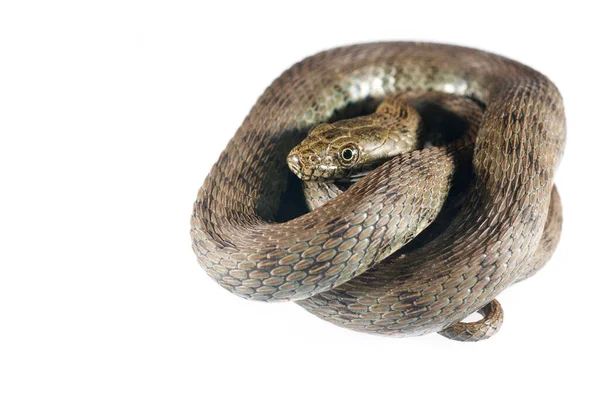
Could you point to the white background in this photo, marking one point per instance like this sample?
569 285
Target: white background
111 114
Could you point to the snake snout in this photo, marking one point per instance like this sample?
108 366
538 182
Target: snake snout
294 164
306 167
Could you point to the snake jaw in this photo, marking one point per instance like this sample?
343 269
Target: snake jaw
312 167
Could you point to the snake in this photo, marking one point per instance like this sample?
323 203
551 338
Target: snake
423 239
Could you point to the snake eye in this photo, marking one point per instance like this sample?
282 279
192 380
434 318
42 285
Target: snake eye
348 155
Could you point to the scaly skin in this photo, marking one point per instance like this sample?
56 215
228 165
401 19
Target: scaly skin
336 258
404 128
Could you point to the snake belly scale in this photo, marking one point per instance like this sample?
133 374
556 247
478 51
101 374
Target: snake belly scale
341 260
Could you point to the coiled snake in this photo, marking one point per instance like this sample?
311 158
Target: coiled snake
391 255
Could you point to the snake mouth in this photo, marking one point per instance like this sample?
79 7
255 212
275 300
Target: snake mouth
323 172
359 172
354 177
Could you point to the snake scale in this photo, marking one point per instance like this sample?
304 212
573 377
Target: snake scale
376 258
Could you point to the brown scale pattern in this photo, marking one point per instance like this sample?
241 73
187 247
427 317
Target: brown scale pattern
434 107
341 261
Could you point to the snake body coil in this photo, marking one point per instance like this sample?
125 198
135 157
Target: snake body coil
341 261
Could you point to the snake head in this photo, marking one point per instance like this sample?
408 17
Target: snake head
326 154
349 148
